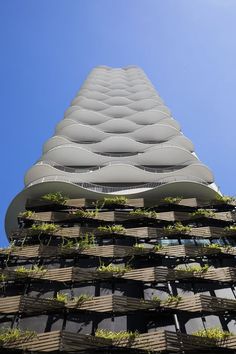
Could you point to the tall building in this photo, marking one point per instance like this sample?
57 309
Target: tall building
120 240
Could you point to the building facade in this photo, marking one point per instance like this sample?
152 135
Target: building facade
120 240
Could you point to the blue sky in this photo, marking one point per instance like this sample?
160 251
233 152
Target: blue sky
186 47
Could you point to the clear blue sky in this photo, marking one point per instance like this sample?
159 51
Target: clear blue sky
186 47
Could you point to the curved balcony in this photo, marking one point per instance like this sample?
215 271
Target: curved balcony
116 93
116 111
157 132
116 172
164 154
142 118
116 143
120 105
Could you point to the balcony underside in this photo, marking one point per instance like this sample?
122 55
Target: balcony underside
149 192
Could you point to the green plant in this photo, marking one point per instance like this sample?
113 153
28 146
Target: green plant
12 334
62 297
105 333
88 214
56 197
157 248
143 212
213 333
178 227
111 229
44 227
156 298
34 270
28 214
172 200
203 212
225 199
3 278
195 269
68 245
214 246
139 246
230 228
82 298
112 268
87 241
173 299
119 200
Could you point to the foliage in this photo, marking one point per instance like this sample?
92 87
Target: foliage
178 227
230 228
57 198
35 269
112 268
213 333
142 212
139 246
110 229
12 334
203 212
105 333
44 227
88 214
68 245
62 297
172 200
28 214
86 241
157 248
156 298
195 269
117 200
82 298
3 277
173 299
214 245
225 199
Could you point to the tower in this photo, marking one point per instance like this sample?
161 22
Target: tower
120 240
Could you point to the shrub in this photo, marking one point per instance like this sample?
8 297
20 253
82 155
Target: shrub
82 298
112 268
230 228
178 227
225 199
172 200
12 334
213 333
86 241
68 245
195 269
44 227
57 198
173 299
3 278
214 245
143 212
35 269
139 246
117 200
156 298
157 248
86 213
62 297
105 333
119 229
28 214
203 212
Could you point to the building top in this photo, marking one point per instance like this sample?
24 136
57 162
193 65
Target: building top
117 137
